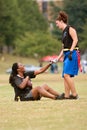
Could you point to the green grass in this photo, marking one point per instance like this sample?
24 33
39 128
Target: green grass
45 114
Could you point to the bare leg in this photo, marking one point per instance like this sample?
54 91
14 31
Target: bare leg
50 90
67 89
40 91
70 84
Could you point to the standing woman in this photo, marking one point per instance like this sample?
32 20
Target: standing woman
69 51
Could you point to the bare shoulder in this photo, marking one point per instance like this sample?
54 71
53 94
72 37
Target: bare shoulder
72 30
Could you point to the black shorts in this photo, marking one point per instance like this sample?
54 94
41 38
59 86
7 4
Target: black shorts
29 97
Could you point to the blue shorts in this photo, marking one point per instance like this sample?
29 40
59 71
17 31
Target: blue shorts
70 67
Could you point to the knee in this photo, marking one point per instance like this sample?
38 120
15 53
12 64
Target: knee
45 86
38 88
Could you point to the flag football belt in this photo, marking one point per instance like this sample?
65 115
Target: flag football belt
66 49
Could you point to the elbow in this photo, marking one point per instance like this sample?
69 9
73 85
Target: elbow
76 40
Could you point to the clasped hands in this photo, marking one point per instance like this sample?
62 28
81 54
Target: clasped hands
53 61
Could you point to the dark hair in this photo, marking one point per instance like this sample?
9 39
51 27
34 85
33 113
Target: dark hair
62 16
14 68
13 73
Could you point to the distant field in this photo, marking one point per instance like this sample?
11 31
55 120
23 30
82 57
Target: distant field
45 114
6 61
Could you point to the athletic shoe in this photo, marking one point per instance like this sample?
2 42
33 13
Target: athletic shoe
61 96
73 97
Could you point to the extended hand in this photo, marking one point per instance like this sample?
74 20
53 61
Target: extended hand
54 61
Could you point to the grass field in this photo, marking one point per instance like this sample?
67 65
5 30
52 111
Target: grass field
45 114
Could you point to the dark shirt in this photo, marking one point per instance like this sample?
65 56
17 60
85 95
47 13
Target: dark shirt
18 80
66 38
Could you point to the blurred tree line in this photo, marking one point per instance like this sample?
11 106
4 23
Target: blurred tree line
24 30
77 11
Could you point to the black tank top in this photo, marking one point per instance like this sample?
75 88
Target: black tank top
66 38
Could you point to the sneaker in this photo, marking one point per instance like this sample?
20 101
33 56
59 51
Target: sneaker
61 96
73 97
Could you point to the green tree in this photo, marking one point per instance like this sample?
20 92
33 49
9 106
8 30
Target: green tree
31 16
17 17
38 40
10 22
38 43
54 13
77 13
83 44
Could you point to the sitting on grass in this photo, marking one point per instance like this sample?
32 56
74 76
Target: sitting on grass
21 82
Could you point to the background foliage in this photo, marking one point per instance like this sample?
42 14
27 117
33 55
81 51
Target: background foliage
24 30
38 43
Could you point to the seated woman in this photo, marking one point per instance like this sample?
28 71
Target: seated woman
21 82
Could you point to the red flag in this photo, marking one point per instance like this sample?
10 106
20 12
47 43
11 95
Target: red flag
79 63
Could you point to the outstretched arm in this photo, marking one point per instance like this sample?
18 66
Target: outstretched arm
43 69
